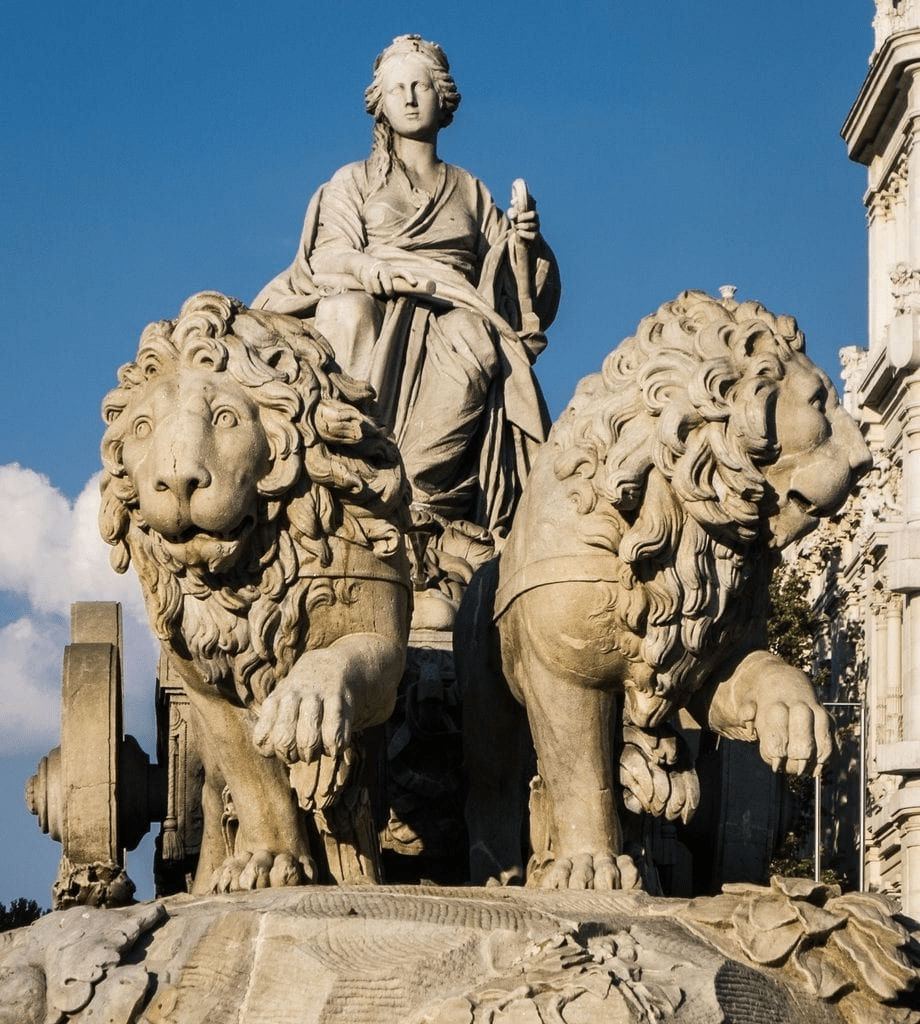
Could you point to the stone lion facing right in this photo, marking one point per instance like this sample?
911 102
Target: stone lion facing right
633 583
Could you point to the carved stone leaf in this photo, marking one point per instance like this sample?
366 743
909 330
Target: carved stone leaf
87 946
870 907
824 977
816 922
803 889
877 959
767 928
876 942
712 910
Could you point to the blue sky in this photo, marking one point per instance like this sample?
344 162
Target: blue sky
153 149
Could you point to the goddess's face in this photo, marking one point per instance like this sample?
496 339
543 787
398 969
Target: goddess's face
411 104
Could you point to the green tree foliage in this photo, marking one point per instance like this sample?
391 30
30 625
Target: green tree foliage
20 913
791 625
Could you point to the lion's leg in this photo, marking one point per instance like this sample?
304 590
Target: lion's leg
570 697
571 734
271 845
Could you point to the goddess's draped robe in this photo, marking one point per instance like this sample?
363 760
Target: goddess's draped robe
450 368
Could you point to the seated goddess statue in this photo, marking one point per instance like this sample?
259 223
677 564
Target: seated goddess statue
428 291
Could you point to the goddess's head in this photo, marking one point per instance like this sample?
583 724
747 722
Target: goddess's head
430 56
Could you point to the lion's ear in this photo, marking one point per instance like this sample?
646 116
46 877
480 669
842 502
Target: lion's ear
753 340
110 452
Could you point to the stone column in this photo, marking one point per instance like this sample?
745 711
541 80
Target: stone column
891 666
878 668
906 808
881 227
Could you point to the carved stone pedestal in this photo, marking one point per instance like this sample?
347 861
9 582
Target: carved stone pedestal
794 953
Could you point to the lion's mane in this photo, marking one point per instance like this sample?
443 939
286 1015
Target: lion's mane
666 446
244 615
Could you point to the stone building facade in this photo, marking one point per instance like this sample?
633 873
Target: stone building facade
865 569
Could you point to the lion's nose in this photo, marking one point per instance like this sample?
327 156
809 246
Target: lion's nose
862 460
181 468
182 484
860 457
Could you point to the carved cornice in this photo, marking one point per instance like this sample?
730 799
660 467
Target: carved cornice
879 380
862 131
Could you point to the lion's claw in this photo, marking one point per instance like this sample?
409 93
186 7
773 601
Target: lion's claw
260 870
586 871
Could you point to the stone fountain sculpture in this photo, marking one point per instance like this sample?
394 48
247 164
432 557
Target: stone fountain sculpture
252 482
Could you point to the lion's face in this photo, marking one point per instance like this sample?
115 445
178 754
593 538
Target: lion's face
822 453
195 449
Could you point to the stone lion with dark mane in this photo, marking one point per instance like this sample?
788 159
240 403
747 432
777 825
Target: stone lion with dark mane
634 583
263 510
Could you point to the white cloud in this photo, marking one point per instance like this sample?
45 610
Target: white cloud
50 551
30 682
51 555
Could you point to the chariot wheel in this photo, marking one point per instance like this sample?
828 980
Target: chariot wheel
92 793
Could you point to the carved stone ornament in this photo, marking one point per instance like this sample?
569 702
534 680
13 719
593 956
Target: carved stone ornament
880 491
794 953
636 571
905 289
893 189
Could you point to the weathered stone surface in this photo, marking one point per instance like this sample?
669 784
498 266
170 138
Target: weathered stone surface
636 571
438 956
90 792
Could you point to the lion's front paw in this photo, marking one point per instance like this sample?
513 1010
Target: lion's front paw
261 870
794 736
309 713
589 871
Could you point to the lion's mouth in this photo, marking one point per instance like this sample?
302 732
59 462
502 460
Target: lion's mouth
216 550
194 532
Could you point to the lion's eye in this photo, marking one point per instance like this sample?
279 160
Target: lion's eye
819 400
142 428
225 418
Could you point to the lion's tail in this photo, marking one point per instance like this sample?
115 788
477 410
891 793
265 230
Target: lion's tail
657 773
